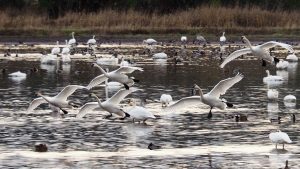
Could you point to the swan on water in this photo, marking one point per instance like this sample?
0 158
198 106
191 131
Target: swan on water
212 98
292 58
110 105
150 41
92 41
66 49
282 64
118 75
279 138
289 98
17 74
165 99
139 113
272 94
56 49
260 51
183 39
271 78
72 41
223 39
160 55
60 100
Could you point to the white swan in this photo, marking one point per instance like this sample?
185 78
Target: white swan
66 49
260 51
60 100
92 41
223 38
212 98
282 64
165 99
279 138
18 74
183 39
72 41
108 61
65 59
116 75
160 55
292 58
150 41
272 94
138 113
271 78
49 59
110 105
289 98
56 50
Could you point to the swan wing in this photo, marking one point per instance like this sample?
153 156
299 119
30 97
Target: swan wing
88 107
120 95
96 81
224 85
235 55
285 137
35 103
184 102
272 44
128 69
67 91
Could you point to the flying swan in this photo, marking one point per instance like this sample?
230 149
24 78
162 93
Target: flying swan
212 98
260 51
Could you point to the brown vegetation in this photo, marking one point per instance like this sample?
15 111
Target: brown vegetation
203 19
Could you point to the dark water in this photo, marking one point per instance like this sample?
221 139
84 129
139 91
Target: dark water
187 138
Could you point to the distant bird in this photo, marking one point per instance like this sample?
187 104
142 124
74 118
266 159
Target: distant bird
118 75
200 38
289 98
271 78
161 55
278 120
292 58
150 41
165 99
183 39
66 49
110 105
279 138
92 41
151 146
223 39
72 41
272 94
286 164
282 64
56 50
240 118
212 98
59 101
260 51
17 74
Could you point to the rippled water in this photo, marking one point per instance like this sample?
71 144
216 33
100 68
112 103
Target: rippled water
187 138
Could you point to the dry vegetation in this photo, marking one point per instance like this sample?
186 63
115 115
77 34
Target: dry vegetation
202 19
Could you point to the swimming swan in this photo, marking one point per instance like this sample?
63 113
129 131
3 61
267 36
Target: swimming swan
260 51
212 98
279 138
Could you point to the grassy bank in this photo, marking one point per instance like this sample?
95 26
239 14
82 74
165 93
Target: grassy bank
201 20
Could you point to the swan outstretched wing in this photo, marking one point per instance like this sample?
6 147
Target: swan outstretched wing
96 81
184 102
128 69
235 55
120 95
88 107
272 44
224 85
35 103
67 91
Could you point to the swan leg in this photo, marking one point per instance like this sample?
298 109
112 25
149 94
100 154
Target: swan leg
276 146
283 146
264 63
126 86
209 116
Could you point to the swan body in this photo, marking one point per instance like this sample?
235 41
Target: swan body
282 64
118 75
212 98
272 94
66 49
279 138
55 50
92 41
292 58
60 100
165 99
65 59
150 41
260 51
223 38
161 55
183 38
138 113
110 105
49 59
107 61
289 98
271 78
18 74
72 41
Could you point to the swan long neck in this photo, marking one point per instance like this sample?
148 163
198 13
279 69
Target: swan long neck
44 97
66 42
268 72
93 36
200 92
247 42
73 35
98 100
223 33
57 43
102 71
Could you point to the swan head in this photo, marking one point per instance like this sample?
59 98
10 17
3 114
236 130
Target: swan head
196 87
243 38
94 65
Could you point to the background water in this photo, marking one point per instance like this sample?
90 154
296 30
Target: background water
187 138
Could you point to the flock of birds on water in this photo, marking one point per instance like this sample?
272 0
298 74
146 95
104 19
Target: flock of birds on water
120 77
